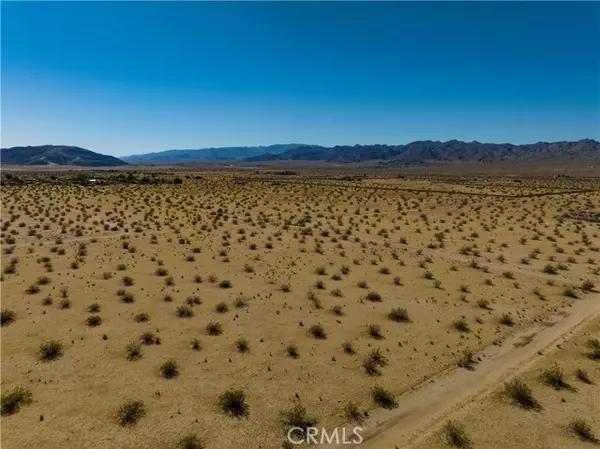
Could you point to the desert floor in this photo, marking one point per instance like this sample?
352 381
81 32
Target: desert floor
296 290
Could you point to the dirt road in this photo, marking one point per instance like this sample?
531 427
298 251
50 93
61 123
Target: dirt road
424 409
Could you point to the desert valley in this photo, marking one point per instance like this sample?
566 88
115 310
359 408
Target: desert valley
220 309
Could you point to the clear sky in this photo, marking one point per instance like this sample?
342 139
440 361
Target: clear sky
134 77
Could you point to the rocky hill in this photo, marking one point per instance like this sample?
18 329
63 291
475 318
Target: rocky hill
56 155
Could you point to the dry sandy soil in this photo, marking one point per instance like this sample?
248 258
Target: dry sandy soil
335 289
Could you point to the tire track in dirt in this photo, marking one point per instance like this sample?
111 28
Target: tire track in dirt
422 410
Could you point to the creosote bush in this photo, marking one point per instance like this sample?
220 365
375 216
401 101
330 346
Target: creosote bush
233 403
130 413
93 321
133 351
582 429
225 284
383 398
399 315
521 394
317 331
353 413
51 350
507 320
184 312
374 297
242 345
13 401
555 377
169 369
461 326
456 436
292 351
7 317
298 419
190 442
214 329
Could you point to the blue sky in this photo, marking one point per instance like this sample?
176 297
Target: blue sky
133 77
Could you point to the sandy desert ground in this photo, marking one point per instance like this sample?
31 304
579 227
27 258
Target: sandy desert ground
232 306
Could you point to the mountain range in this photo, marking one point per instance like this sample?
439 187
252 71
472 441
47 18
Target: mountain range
209 154
415 153
426 152
56 155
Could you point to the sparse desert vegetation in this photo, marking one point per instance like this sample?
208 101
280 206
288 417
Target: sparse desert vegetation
332 296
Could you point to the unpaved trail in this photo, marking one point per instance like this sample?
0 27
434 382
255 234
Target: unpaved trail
424 409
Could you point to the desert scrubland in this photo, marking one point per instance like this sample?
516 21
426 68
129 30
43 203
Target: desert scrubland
221 311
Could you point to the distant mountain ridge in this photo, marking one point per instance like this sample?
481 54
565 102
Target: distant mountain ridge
208 154
414 153
56 155
425 152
